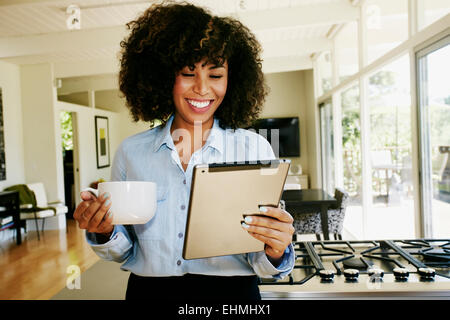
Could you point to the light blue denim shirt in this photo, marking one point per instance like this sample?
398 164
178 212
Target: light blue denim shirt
155 248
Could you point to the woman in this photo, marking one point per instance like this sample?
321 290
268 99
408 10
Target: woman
200 75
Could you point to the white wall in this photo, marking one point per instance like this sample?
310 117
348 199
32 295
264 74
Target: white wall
112 99
39 129
107 103
12 124
287 98
88 170
41 138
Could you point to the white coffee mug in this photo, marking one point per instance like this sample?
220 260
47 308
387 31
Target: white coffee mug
132 202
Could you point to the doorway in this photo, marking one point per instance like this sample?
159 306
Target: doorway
68 121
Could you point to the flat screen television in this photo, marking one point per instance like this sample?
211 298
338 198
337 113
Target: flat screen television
288 133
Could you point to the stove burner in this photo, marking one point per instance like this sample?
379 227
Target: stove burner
436 254
354 263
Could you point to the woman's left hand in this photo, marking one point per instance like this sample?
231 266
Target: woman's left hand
274 228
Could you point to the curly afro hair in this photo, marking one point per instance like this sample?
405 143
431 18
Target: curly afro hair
169 36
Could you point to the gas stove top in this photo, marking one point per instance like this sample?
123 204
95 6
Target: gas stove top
366 269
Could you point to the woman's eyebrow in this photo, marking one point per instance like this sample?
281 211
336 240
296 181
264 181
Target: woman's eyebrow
216 66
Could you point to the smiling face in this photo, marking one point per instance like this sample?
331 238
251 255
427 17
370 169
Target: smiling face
198 92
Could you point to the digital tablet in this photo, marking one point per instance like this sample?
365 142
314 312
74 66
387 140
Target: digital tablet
222 194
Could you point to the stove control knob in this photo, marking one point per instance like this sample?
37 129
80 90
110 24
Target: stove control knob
401 274
326 275
376 273
427 274
351 274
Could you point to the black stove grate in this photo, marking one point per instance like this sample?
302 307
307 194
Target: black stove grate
433 253
361 255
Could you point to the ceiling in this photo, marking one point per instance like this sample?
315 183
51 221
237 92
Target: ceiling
290 31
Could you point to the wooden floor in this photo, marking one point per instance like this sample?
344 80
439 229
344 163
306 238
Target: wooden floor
38 269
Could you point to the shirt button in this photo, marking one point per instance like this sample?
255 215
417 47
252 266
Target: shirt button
183 207
178 262
184 181
180 235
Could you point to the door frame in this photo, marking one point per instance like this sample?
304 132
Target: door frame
425 184
76 157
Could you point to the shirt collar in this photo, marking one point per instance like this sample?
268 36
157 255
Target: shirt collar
215 138
164 136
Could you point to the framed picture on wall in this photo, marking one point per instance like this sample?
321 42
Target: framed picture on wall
102 141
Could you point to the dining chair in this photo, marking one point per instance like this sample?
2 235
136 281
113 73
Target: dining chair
310 223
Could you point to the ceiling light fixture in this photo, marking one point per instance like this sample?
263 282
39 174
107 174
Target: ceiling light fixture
73 20
242 5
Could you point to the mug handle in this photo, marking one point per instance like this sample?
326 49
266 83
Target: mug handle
92 191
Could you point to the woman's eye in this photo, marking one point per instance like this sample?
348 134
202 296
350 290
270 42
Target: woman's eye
216 76
187 74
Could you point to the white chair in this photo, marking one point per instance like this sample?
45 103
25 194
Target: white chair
45 209
383 166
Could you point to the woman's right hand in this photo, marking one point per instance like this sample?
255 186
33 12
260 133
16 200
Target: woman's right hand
92 213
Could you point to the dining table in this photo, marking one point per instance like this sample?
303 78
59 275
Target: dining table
305 201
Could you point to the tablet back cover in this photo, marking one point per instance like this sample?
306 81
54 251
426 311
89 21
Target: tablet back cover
221 195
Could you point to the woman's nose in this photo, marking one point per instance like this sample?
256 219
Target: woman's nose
201 86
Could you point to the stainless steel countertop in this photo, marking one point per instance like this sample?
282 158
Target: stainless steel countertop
363 289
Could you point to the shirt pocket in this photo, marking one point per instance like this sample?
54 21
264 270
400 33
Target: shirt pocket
154 229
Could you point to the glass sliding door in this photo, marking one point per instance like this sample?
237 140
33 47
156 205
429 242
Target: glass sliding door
327 145
433 83
389 106
351 155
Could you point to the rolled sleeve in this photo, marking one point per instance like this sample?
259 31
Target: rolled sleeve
118 248
265 269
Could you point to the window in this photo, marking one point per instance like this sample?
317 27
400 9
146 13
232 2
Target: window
351 154
389 103
433 10
327 136
434 117
387 26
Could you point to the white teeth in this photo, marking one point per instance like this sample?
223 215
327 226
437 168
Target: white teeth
199 104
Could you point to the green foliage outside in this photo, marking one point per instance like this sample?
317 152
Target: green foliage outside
66 130
390 121
390 125
351 140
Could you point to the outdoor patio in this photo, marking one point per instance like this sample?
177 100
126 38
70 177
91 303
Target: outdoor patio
394 221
